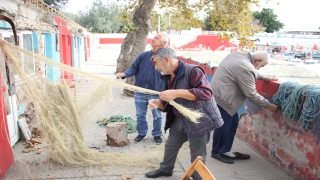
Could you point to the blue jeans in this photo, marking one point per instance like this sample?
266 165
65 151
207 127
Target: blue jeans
223 136
141 102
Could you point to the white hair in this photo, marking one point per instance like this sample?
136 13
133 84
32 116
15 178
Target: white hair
164 52
261 55
164 39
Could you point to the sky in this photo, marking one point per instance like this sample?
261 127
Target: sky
295 14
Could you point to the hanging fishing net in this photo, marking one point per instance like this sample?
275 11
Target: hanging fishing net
60 108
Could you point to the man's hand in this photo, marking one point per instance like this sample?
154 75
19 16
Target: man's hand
273 108
120 75
168 95
270 79
154 104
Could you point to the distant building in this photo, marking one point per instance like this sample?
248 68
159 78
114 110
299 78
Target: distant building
304 32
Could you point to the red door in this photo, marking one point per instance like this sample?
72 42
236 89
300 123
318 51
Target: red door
66 56
6 156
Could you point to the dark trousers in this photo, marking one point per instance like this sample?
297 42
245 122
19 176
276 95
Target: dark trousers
178 136
223 136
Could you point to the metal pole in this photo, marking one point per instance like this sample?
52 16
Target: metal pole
159 23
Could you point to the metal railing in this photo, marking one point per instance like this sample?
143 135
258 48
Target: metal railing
40 4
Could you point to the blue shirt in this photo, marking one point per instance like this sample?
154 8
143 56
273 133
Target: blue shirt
144 71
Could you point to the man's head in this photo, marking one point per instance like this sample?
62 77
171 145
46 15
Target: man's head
165 60
159 40
260 59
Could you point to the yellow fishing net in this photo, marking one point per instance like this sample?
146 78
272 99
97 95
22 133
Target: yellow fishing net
58 111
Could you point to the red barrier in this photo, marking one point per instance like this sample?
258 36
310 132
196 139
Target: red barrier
117 40
211 42
266 88
6 156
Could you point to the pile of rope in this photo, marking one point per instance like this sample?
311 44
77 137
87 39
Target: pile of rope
299 102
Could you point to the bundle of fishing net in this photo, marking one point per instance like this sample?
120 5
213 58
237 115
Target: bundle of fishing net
59 112
299 102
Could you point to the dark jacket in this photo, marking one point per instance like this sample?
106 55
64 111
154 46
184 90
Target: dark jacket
211 118
144 70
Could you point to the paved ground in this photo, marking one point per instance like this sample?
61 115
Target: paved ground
103 62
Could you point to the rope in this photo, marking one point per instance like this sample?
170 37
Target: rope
299 102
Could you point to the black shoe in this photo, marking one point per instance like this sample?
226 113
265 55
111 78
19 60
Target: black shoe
241 156
157 173
157 140
139 138
223 158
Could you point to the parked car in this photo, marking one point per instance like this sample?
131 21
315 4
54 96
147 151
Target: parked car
316 55
254 39
299 54
289 54
275 50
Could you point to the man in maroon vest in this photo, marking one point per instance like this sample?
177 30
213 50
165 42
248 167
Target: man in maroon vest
187 85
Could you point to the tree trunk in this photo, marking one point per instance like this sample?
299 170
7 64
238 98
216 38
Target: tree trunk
117 134
135 41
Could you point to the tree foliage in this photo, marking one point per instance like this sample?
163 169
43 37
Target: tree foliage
222 15
173 20
100 18
268 20
154 22
57 4
179 22
233 16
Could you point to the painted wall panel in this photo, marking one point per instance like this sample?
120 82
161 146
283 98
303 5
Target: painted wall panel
35 41
65 47
5 25
81 53
75 59
52 72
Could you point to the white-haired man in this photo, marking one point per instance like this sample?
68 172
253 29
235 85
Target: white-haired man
232 83
147 77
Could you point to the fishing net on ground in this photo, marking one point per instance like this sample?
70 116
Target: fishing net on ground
59 112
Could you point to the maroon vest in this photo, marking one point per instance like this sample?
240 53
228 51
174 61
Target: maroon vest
211 118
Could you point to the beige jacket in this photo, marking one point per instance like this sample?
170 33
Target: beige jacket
234 81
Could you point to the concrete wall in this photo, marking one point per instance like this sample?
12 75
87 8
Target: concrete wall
284 143
9 5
